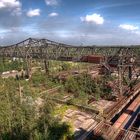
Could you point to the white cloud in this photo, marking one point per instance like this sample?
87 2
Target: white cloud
93 18
11 5
51 2
53 14
2 31
129 27
33 12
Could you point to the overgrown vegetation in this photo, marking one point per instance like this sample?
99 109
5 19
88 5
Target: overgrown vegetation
84 85
22 119
7 65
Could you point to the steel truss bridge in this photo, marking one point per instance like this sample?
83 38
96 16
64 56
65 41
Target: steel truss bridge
50 50
45 49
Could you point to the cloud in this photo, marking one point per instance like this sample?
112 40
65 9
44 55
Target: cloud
117 4
61 31
9 3
14 6
129 27
51 2
93 18
53 14
33 12
2 31
81 34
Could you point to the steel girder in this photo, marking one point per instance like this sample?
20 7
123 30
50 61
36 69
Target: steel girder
50 50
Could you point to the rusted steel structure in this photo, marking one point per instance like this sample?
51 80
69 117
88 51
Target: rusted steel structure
50 50
124 58
129 113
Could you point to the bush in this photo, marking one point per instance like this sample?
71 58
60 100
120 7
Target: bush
83 83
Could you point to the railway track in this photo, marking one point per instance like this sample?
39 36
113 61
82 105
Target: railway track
135 130
128 115
115 108
130 135
108 114
119 125
120 135
107 131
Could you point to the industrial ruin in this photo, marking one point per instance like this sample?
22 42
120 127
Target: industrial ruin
117 118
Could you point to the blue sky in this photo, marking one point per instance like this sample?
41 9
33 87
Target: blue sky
76 22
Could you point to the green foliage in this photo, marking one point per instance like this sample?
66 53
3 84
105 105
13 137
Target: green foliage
7 65
72 85
22 119
84 84
44 81
81 83
38 79
66 66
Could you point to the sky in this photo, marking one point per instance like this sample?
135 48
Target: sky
75 22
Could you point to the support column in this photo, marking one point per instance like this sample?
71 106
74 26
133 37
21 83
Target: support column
46 63
28 67
130 72
120 80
